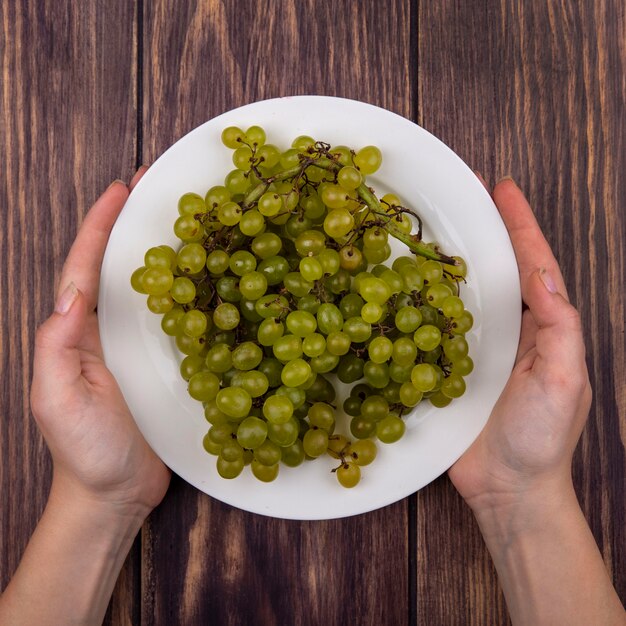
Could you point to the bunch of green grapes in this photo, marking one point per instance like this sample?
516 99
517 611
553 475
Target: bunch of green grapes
279 287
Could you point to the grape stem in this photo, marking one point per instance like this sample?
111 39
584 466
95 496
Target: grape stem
413 242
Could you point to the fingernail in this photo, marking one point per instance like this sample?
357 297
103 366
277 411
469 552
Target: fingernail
547 280
505 178
117 181
66 299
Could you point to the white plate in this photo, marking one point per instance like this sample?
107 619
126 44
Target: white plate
457 212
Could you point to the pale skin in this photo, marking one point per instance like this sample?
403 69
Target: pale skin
516 476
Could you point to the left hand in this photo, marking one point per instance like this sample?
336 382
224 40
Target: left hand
97 449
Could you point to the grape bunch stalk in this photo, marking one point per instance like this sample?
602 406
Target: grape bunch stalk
279 287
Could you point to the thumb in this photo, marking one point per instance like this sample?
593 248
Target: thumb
57 360
559 332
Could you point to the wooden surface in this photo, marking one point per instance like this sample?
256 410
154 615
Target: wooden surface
532 89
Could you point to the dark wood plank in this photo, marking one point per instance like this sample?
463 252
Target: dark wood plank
204 561
67 129
536 90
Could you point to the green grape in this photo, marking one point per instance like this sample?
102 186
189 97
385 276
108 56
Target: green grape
380 349
253 285
338 283
242 262
303 143
254 382
349 178
350 258
404 351
188 228
226 316
252 432
216 196
452 306
246 356
324 363
266 245
194 323
135 280
268 453
463 324
284 434
436 294
269 331
329 318
432 272
337 445
314 344
255 135
203 386
390 429
350 369
160 304
297 224
210 446
232 137
376 374
322 416
278 409
393 279
399 373
338 223
375 238
427 337
363 452
182 290
170 320
374 408
271 305
357 329
297 285
455 348
156 281
301 323
368 159
424 377
463 366
295 373
189 345
247 310
352 406
252 223
410 395
231 451
362 427
221 432
269 155
329 260
229 469
311 269
310 243
274 269
348 475
315 442
293 455
351 305
287 348
270 204
234 402
372 312
213 415
191 258
297 396
439 400
159 256
374 289
338 343
191 204
264 473
313 206
391 392
219 359
453 386
217 262
408 319
412 278
272 369
191 365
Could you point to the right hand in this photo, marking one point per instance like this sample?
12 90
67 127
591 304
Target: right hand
524 453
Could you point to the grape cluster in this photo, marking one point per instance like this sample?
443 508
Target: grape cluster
279 285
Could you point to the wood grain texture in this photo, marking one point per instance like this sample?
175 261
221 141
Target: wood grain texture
67 129
204 561
537 90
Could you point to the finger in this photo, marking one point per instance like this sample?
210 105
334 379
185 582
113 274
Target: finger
559 335
56 363
137 177
84 260
532 251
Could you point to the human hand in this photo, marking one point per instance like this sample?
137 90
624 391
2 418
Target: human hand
524 453
97 450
